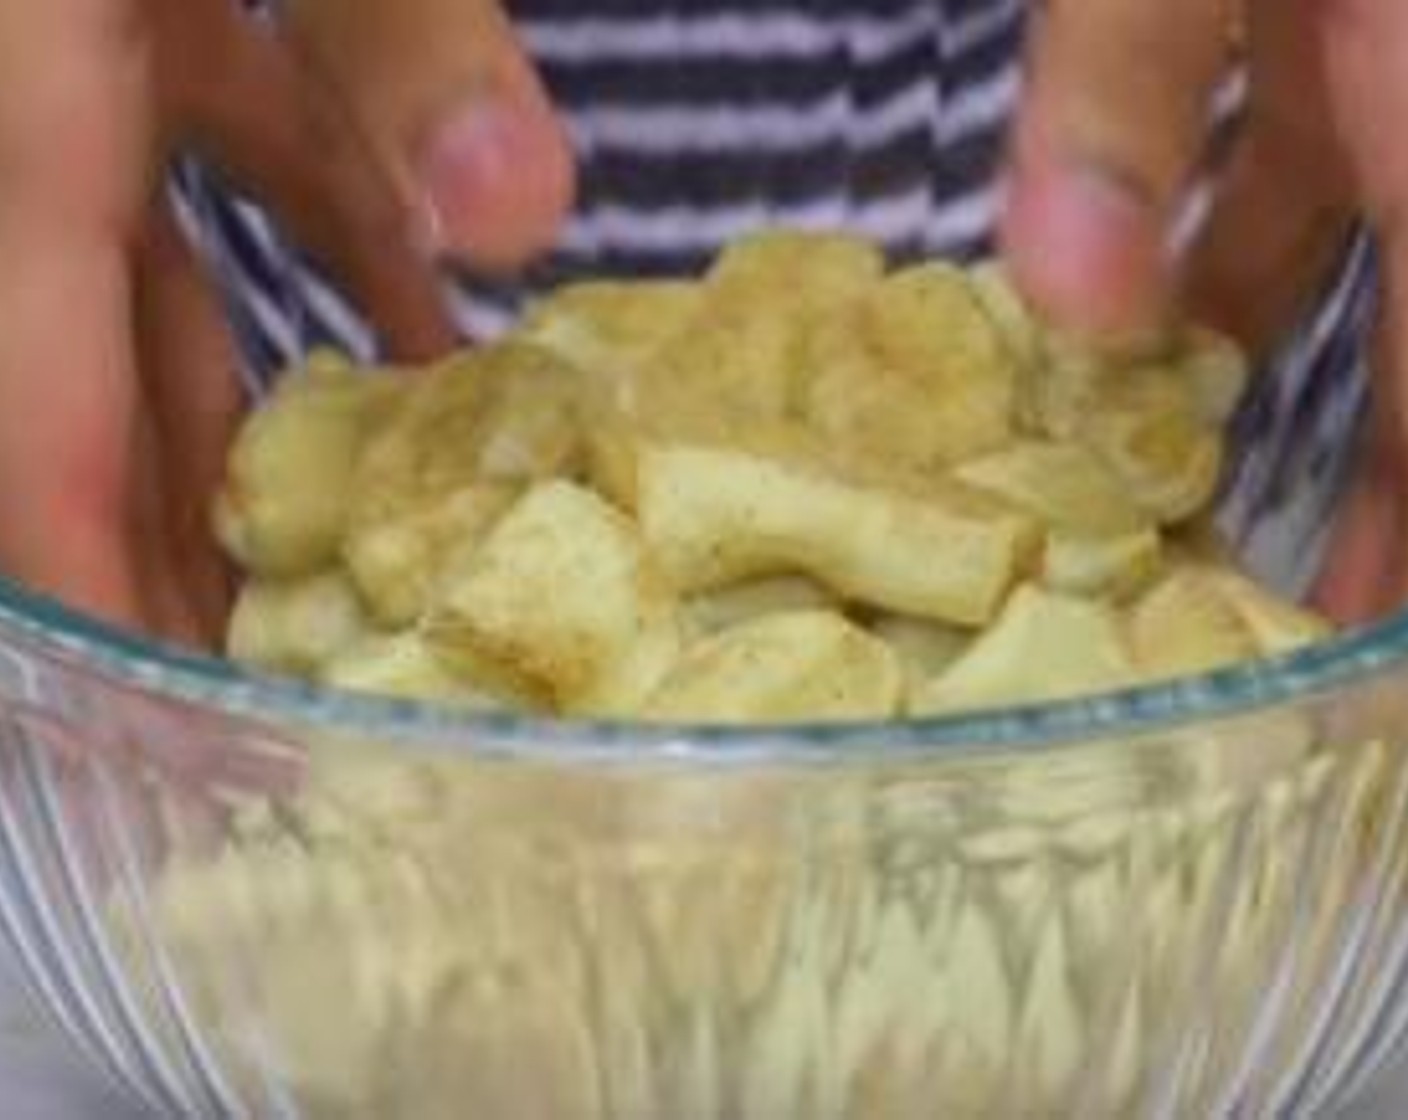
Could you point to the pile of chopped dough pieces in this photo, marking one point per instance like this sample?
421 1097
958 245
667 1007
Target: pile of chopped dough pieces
802 488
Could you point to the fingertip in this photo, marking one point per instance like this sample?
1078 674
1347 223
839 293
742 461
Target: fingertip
1085 248
498 180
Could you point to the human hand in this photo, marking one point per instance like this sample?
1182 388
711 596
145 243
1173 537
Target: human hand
117 393
1114 128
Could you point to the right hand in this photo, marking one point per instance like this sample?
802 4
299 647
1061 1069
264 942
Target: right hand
1114 124
117 387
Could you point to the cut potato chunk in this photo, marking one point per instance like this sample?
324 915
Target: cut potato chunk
561 600
917 376
786 270
1146 431
296 626
1102 567
1043 647
805 666
616 446
1277 625
903 417
533 427
1217 371
925 649
402 666
396 563
1186 626
289 479
430 449
509 413
745 602
1016 326
611 461
735 362
1067 389
716 516
613 328
747 352
1064 485
1147 423
927 315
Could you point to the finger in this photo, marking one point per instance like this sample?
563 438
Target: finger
74 158
1113 124
1364 41
1364 568
66 390
250 109
191 389
454 110
1365 564
167 612
1286 199
1366 575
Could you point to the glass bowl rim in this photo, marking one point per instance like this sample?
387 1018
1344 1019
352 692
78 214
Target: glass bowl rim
120 657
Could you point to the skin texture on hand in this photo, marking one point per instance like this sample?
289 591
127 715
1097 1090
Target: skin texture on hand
75 123
117 387
448 100
1366 48
1113 131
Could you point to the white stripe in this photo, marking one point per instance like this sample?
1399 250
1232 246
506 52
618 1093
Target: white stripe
963 220
684 229
202 231
255 221
664 130
901 217
1190 218
739 35
980 28
193 229
1231 95
689 230
313 292
337 315
477 317
270 317
981 105
771 35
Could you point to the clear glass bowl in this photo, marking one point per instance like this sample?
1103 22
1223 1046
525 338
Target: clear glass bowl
242 897
245 898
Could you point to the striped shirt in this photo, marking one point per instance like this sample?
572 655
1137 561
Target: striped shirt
695 121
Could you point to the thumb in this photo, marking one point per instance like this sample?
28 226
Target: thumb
453 110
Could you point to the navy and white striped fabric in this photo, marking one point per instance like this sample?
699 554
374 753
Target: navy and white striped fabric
695 121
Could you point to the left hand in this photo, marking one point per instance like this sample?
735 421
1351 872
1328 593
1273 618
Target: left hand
117 386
